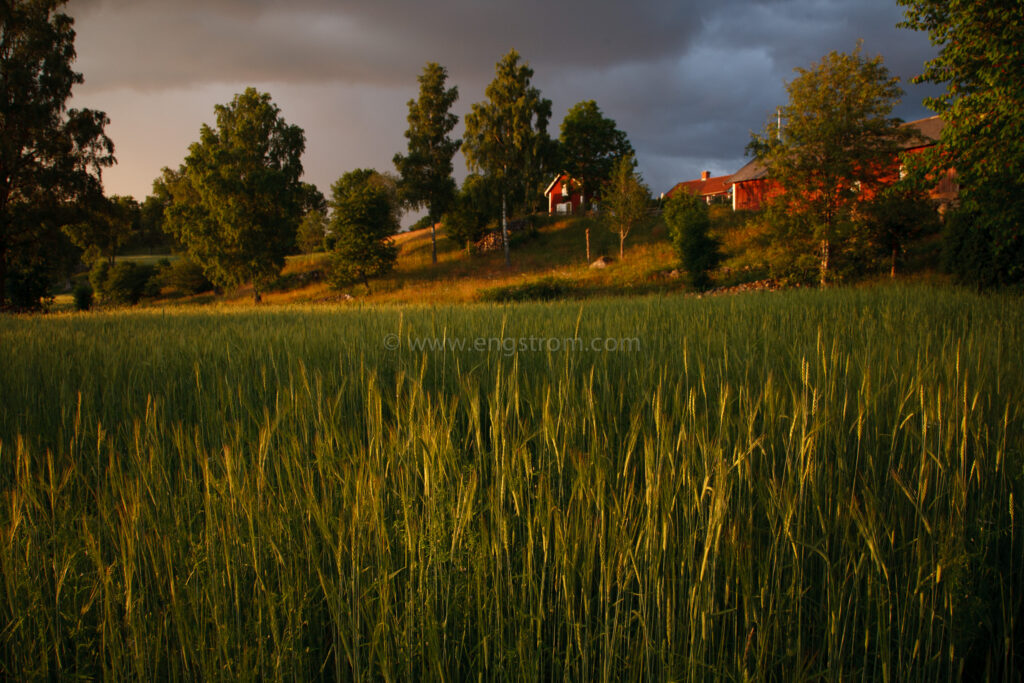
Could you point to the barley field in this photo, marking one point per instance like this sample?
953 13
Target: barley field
793 486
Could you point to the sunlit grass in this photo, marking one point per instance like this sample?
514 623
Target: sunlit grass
796 486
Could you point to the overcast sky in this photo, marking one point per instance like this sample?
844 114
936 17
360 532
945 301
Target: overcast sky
687 81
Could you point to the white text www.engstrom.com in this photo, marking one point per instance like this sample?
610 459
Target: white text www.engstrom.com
509 346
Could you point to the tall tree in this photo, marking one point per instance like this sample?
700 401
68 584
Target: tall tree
106 225
364 217
426 170
589 146
506 135
236 202
837 138
980 64
50 156
625 200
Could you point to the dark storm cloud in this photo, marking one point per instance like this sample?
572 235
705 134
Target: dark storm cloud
686 80
154 44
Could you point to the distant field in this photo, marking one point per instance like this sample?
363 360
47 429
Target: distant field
802 485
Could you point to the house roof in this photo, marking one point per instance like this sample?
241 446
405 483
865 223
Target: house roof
752 171
703 188
551 185
927 133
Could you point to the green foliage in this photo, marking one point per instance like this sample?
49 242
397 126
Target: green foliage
589 146
106 225
899 214
506 135
50 156
186 276
983 138
426 170
364 217
838 140
544 289
127 282
98 277
689 224
625 200
977 251
474 210
237 200
83 296
27 286
461 225
312 233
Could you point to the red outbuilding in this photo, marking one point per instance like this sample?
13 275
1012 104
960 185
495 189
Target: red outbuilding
752 187
563 195
716 189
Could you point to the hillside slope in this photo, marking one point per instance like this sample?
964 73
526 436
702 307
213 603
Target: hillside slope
555 255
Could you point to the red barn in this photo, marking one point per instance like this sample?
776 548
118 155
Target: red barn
563 195
928 131
751 186
707 188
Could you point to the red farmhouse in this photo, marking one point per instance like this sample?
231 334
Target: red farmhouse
707 188
563 195
751 186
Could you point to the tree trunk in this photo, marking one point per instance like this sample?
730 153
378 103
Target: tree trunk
826 254
892 264
588 245
256 298
622 246
504 232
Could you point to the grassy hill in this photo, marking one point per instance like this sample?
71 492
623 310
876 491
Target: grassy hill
554 254
550 262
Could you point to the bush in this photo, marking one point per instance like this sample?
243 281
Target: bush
463 226
98 277
128 282
894 218
83 297
978 250
544 289
689 223
27 287
186 276
312 232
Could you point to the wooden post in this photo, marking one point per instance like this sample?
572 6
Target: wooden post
504 232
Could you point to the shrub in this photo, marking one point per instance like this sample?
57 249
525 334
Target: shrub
186 276
312 233
894 218
128 282
544 289
27 287
689 224
98 277
83 297
978 251
463 226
